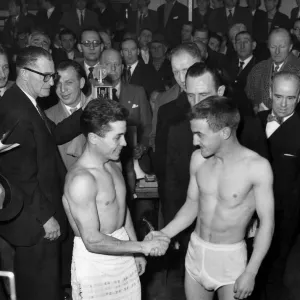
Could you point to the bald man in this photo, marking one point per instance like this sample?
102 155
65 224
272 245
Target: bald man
258 82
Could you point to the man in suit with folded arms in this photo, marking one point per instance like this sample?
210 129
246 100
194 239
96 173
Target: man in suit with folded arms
282 126
37 170
171 17
79 18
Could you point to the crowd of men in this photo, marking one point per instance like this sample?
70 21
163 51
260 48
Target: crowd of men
210 106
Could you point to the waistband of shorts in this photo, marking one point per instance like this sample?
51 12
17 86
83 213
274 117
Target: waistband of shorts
229 247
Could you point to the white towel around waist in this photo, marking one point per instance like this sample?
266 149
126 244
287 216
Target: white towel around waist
105 277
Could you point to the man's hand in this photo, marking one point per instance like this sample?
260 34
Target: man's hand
52 229
138 151
140 264
244 285
156 243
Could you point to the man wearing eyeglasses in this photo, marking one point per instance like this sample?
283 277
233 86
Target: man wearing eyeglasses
90 46
36 168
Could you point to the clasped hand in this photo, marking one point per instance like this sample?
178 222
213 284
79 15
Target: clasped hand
155 243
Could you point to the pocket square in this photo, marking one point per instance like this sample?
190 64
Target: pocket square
175 18
289 155
135 106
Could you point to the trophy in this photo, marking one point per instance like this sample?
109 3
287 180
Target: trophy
101 90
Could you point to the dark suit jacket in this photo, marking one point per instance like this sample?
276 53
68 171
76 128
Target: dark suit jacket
258 81
280 20
294 15
135 100
167 115
260 26
198 20
179 151
107 18
51 25
24 23
218 20
178 16
284 150
240 80
71 21
35 167
145 76
165 73
149 22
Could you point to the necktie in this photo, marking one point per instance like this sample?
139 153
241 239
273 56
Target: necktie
230 17
81 18
72 110
241 64
91 76
141 19
272 118
275 70
128 74
114 95
44 118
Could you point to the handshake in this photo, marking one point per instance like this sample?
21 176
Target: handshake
155 243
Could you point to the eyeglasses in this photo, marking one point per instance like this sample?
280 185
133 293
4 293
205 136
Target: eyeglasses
46 76
88 44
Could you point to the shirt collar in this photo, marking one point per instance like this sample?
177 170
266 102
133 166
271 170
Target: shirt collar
232 11
2 91
80 11
68 108
118 88
30 98
133 66
50 10
246 61
86 67
280 66
285 118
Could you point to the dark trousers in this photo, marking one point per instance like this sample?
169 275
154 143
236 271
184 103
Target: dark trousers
37 271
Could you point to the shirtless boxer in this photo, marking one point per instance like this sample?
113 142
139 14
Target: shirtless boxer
103 265
228 183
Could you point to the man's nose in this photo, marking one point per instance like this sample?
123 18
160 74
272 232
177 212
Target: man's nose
2 73
277 50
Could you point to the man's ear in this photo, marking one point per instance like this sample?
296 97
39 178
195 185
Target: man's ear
226 133
79 47
253 45
82 82
92 137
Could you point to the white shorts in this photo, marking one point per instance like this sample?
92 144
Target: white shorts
215 265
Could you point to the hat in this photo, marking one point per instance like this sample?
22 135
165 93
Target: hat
159 38
12 203
17 223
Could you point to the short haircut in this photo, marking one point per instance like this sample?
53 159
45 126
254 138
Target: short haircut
28 56
72 64
201 29
281 30
3 51
287 76
92 28
188 48
67 31
188 23
236 27
99 113
129 39
145 28
219 112
198 69
244 32
38 31
216 37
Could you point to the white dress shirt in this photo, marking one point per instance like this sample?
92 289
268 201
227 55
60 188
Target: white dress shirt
69 108
133 66
145 56
246 61
2 91
228 11
273 126
50 11
87 71
79 12
71 55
